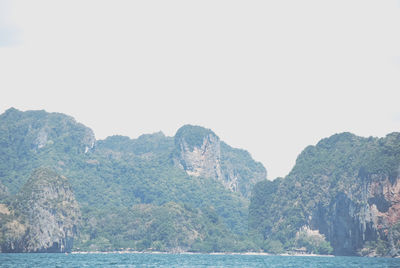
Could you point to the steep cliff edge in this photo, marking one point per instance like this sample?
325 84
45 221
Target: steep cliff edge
42 218
201 153
346 187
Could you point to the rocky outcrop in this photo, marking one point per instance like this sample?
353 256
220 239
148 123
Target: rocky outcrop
44 216
350 221
346 187
201 153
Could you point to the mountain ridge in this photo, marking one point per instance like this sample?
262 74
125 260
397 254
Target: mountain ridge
117 174
194 192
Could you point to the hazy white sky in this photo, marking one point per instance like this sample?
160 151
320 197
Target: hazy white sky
270 77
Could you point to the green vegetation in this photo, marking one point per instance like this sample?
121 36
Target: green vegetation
170 227
119 181
32 139
273 246
313 243
133 194
150 144
192 135
326 189
241 163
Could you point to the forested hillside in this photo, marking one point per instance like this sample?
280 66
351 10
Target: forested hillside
191 192
138 182
342 196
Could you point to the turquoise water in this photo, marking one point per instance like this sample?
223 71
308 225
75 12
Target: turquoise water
184 260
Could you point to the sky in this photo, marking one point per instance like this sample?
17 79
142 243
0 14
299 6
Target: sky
270 77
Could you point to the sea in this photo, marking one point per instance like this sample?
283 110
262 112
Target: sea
186 260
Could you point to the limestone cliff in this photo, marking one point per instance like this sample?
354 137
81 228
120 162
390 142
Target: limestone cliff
201 153
367 212
346 187
43 217
114 173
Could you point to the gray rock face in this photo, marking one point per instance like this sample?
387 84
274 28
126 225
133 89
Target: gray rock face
201 161
201 153
49 216
346 187
351 221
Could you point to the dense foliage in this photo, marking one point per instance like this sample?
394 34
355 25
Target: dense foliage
192 135
133 195
331 175
169 227
245 169
124 180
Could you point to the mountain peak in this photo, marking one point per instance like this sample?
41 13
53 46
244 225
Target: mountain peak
193 135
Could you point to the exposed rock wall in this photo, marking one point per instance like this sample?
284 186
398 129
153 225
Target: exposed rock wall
201 153
349 221
201 161
44 217
346 187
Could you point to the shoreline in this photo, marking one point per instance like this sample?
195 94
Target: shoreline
198 253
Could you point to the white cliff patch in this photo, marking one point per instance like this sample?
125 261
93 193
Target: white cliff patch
209 157
41 139
202 161
4 209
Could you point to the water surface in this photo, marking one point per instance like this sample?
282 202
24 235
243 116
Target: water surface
186 260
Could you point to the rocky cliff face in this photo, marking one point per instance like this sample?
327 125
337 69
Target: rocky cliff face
43 217
202 157
201 153
116 173
346 187
351 220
